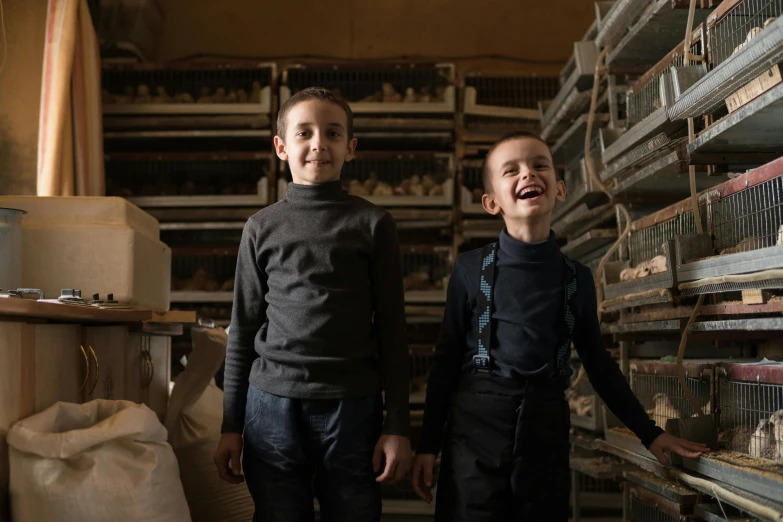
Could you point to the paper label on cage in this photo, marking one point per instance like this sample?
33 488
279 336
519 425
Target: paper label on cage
754 88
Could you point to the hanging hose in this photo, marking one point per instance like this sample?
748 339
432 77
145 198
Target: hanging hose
599 290
691 135
681 352
699 230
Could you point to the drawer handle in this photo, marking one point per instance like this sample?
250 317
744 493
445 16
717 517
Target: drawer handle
94 358
149 365
86 369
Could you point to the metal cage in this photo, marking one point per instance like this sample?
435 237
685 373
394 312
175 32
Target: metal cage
398 179
750 218
656 385
189 180
426 270
496 105
745 225
188 88
472 186
644 97
738 21
642 512
649 234
751 409
584 403
378 88
203 274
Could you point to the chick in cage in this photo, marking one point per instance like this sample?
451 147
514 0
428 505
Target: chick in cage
746 245
389 94
413 186
142 94
752 34
767 441
579 404
662 410
648 267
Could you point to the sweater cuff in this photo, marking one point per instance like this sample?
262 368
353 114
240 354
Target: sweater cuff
398 422
230 427
650 436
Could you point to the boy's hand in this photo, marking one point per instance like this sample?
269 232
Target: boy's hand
421 476
682 447
397 453
229 450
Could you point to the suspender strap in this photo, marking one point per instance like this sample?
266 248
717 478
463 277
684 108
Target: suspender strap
569 285
482 359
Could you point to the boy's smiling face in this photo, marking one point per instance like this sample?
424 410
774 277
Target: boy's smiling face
524 184
316 143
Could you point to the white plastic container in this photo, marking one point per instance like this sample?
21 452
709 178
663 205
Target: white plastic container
96 245
11 248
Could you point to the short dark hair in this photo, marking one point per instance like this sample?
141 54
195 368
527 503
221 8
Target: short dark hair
312 93
486 175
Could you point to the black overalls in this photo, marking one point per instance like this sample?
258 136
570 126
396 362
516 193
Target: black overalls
505 453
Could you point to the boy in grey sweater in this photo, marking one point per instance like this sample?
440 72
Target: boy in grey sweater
317 331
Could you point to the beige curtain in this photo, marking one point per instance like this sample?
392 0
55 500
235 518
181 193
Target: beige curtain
70 132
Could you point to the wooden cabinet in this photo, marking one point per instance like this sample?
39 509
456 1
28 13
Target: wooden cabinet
59 365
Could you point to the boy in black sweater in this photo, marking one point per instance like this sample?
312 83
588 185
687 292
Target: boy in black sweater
501 361
317 330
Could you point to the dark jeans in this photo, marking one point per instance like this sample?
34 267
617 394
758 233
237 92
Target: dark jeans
297 447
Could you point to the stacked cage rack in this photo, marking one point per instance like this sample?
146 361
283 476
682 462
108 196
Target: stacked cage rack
584 403
647 159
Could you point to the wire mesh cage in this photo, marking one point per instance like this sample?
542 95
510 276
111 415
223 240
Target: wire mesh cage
197 273
738 22
378 87
426 271
656 385
588 484
472 188
397 178
583 401
748 217
496 105
191 87
202 179
649 235
643 512
644 96
751 409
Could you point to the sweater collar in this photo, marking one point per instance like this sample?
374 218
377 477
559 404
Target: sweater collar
543 251
329 191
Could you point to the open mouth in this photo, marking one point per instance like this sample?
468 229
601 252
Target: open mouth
530 193
319 163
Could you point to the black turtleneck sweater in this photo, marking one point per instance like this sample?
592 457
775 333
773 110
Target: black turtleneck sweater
527 315
318 305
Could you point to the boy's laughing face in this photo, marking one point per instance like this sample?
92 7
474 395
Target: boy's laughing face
316 143
524 183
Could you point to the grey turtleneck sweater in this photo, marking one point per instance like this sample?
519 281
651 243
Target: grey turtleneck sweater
526 318
318 305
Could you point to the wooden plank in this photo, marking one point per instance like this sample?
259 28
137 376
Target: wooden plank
173 316
70 313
